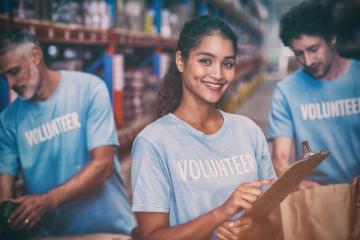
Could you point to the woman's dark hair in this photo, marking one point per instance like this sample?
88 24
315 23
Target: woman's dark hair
170 93
307 18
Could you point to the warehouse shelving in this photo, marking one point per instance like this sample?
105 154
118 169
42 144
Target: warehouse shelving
78 34
113 39
239 17
75 34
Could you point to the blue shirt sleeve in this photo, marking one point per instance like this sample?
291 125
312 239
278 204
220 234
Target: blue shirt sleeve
280 119
9 157
100 121
150 187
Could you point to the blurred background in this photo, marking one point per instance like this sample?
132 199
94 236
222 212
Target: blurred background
130 44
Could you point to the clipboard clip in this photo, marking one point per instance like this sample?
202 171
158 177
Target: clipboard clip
306 150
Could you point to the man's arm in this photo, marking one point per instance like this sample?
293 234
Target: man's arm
6 187
280 154
33 207
93 175
356 183
281 150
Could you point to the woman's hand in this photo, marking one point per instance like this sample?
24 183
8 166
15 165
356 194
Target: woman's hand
243 197
234 230
255 229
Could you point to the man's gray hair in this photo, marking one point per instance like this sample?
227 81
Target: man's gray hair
14 37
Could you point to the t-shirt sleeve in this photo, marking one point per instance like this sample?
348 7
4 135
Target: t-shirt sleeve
265 168
9 157
150 187
100 121
280 119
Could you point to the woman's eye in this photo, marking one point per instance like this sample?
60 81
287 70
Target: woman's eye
229 65
205 61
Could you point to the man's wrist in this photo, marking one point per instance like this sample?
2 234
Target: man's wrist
52 199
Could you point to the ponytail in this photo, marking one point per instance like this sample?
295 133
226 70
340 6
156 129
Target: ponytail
170 93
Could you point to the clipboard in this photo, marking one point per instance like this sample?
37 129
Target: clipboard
286 183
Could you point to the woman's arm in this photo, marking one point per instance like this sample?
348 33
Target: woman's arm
248 228
155 226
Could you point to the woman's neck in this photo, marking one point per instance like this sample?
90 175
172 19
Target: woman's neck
205 118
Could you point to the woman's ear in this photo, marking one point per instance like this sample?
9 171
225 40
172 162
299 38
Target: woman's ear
179 61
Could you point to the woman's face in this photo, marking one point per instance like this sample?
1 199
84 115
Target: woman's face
209 69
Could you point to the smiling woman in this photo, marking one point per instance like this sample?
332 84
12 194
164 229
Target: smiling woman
209 69
196 168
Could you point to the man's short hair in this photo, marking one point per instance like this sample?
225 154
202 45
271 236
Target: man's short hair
307 18
14 37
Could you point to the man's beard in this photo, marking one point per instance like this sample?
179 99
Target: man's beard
33 85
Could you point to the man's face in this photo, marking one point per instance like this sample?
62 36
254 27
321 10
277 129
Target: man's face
19 67
314 54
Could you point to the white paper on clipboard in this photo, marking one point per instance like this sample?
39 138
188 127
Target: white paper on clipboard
285 184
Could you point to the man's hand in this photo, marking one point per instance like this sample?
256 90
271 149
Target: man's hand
30 211
305 184
234 229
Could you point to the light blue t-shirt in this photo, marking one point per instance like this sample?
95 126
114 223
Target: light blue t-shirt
179 170
50 142
327 114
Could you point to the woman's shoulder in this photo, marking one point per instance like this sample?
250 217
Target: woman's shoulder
245 127
242 124
156 129
239 119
